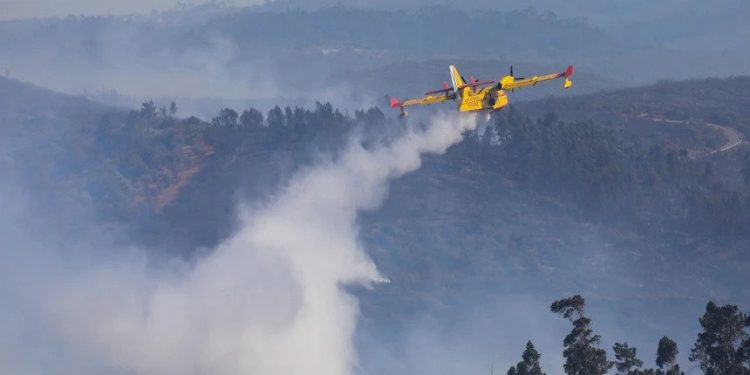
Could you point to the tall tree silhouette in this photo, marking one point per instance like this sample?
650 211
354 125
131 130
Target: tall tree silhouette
582 354
666 356
720 348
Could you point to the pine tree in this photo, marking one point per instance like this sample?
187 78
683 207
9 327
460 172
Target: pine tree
582 355
227 117
530 363
275 118
251 119
625 359
720 347
666 356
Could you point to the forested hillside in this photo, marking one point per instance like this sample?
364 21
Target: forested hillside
706 118
557 203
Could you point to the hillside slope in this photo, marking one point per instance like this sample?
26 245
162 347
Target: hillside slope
523 208
709 118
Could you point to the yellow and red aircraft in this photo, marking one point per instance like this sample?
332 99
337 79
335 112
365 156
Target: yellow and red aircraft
476 95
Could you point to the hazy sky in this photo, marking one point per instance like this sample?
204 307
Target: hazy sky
598 11
10 9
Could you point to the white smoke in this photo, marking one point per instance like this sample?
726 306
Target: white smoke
269 300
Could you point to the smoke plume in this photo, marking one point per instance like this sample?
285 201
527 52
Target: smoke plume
268 301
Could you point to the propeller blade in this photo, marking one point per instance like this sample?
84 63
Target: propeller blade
477 83
445 90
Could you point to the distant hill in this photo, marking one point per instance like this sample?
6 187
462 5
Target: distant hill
62 146
145 161
263 53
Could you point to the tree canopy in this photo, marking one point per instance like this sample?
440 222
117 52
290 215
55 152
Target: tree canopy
722 346
529 365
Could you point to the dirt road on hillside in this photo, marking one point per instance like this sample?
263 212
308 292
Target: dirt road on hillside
732 137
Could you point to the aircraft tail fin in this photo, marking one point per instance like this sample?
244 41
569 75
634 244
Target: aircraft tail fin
456 78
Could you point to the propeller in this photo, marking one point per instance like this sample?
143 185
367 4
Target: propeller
475 83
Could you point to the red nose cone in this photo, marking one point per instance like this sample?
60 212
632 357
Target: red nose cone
569 71
394 103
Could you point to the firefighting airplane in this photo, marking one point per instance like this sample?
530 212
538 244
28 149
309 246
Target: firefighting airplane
476 95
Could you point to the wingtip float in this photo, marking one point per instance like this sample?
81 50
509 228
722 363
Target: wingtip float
475 95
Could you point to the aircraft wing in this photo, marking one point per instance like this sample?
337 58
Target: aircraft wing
428 99
510 83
